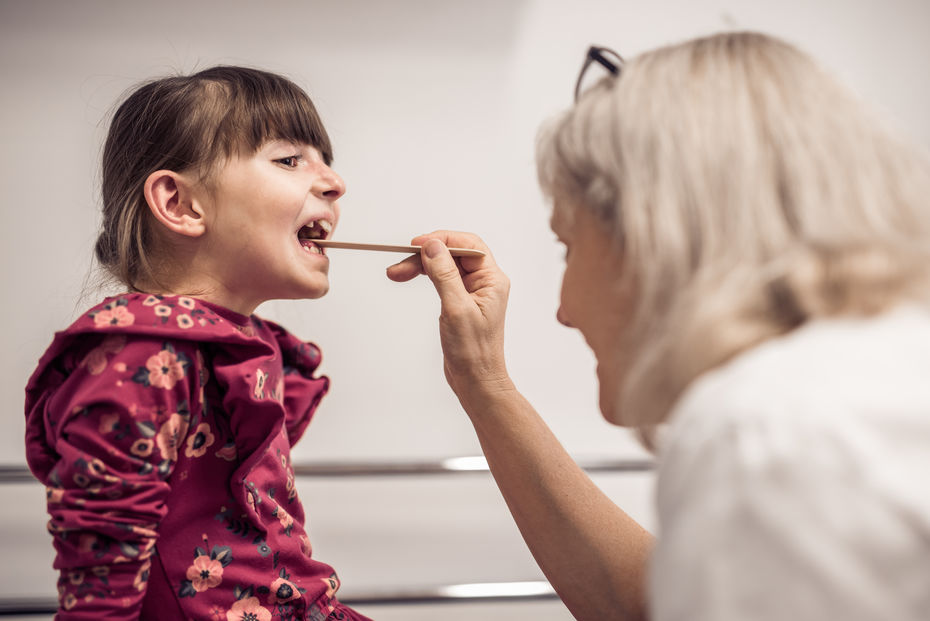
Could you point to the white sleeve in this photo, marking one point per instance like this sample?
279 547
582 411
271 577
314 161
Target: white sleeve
766 516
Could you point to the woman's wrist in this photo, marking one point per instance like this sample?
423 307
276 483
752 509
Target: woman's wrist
480 397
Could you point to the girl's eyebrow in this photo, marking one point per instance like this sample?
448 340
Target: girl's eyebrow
294 145
282 143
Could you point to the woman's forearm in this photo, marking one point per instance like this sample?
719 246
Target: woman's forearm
592 552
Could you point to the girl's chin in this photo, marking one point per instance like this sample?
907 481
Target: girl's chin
303 287
316 295
315 290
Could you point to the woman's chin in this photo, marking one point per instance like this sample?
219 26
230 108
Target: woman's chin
609 404
611 415
610 376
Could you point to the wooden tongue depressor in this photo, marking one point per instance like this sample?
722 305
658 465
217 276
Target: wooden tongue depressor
328 243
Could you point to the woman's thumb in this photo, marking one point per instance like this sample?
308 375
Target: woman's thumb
443 272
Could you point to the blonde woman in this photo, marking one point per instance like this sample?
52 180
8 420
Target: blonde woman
749 260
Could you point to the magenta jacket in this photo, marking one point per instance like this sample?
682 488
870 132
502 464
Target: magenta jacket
162 429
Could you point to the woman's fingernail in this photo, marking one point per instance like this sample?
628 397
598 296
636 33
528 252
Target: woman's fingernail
432 248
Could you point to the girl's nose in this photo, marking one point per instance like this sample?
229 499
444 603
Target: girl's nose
560 315
328 185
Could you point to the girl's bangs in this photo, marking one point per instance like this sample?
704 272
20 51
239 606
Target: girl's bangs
258 111
290 117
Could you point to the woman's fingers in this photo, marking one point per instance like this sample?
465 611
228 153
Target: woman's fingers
411 267
458 239
408 269
443 271
473 300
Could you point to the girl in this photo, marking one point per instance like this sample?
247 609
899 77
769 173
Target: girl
162 420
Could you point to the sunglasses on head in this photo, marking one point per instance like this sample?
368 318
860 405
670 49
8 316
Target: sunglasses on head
603 56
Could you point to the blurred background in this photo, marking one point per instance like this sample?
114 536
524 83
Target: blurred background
433 108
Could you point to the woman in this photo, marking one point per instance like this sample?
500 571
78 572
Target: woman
749 260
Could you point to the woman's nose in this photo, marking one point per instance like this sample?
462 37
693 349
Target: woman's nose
563 319
328 184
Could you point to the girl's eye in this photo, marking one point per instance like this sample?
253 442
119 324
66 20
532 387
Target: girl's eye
290 161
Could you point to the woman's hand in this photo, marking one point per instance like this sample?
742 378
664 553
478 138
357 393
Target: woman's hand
594 554
473 295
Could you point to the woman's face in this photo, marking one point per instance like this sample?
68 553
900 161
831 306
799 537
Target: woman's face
592 299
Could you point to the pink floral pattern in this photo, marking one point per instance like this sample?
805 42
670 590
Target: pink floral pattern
205 573
54 494
287 522
199 441
248 609
228 452
142 447
165 369
109 423
116 316
259 391
163 435
282 591
96 359
170 435
142 576
332 585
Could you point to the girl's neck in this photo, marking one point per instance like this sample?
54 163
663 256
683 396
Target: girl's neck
210 292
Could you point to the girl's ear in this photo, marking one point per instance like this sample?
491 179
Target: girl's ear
172 201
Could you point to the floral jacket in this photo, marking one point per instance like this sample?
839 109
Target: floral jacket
162 428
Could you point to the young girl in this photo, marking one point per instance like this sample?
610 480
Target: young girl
162 420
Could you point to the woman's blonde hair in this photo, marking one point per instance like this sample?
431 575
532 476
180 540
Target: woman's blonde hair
749 194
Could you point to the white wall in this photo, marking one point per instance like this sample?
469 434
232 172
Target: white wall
433 108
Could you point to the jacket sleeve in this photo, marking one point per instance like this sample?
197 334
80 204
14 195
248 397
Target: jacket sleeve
117 421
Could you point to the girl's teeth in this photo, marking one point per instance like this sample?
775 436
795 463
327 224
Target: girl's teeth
326 226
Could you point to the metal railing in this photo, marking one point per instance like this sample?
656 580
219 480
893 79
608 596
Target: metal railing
448 465
450 593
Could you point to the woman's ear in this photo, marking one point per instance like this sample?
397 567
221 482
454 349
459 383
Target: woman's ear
172 201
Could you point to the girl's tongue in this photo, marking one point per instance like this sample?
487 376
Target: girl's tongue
309 246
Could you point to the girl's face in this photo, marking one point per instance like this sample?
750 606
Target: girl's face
592 300
259 209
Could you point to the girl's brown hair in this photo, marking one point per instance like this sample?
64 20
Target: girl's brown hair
189 123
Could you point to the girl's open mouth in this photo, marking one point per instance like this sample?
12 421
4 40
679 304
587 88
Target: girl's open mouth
318 229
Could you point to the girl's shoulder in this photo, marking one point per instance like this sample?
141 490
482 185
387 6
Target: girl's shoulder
134 317
176 315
